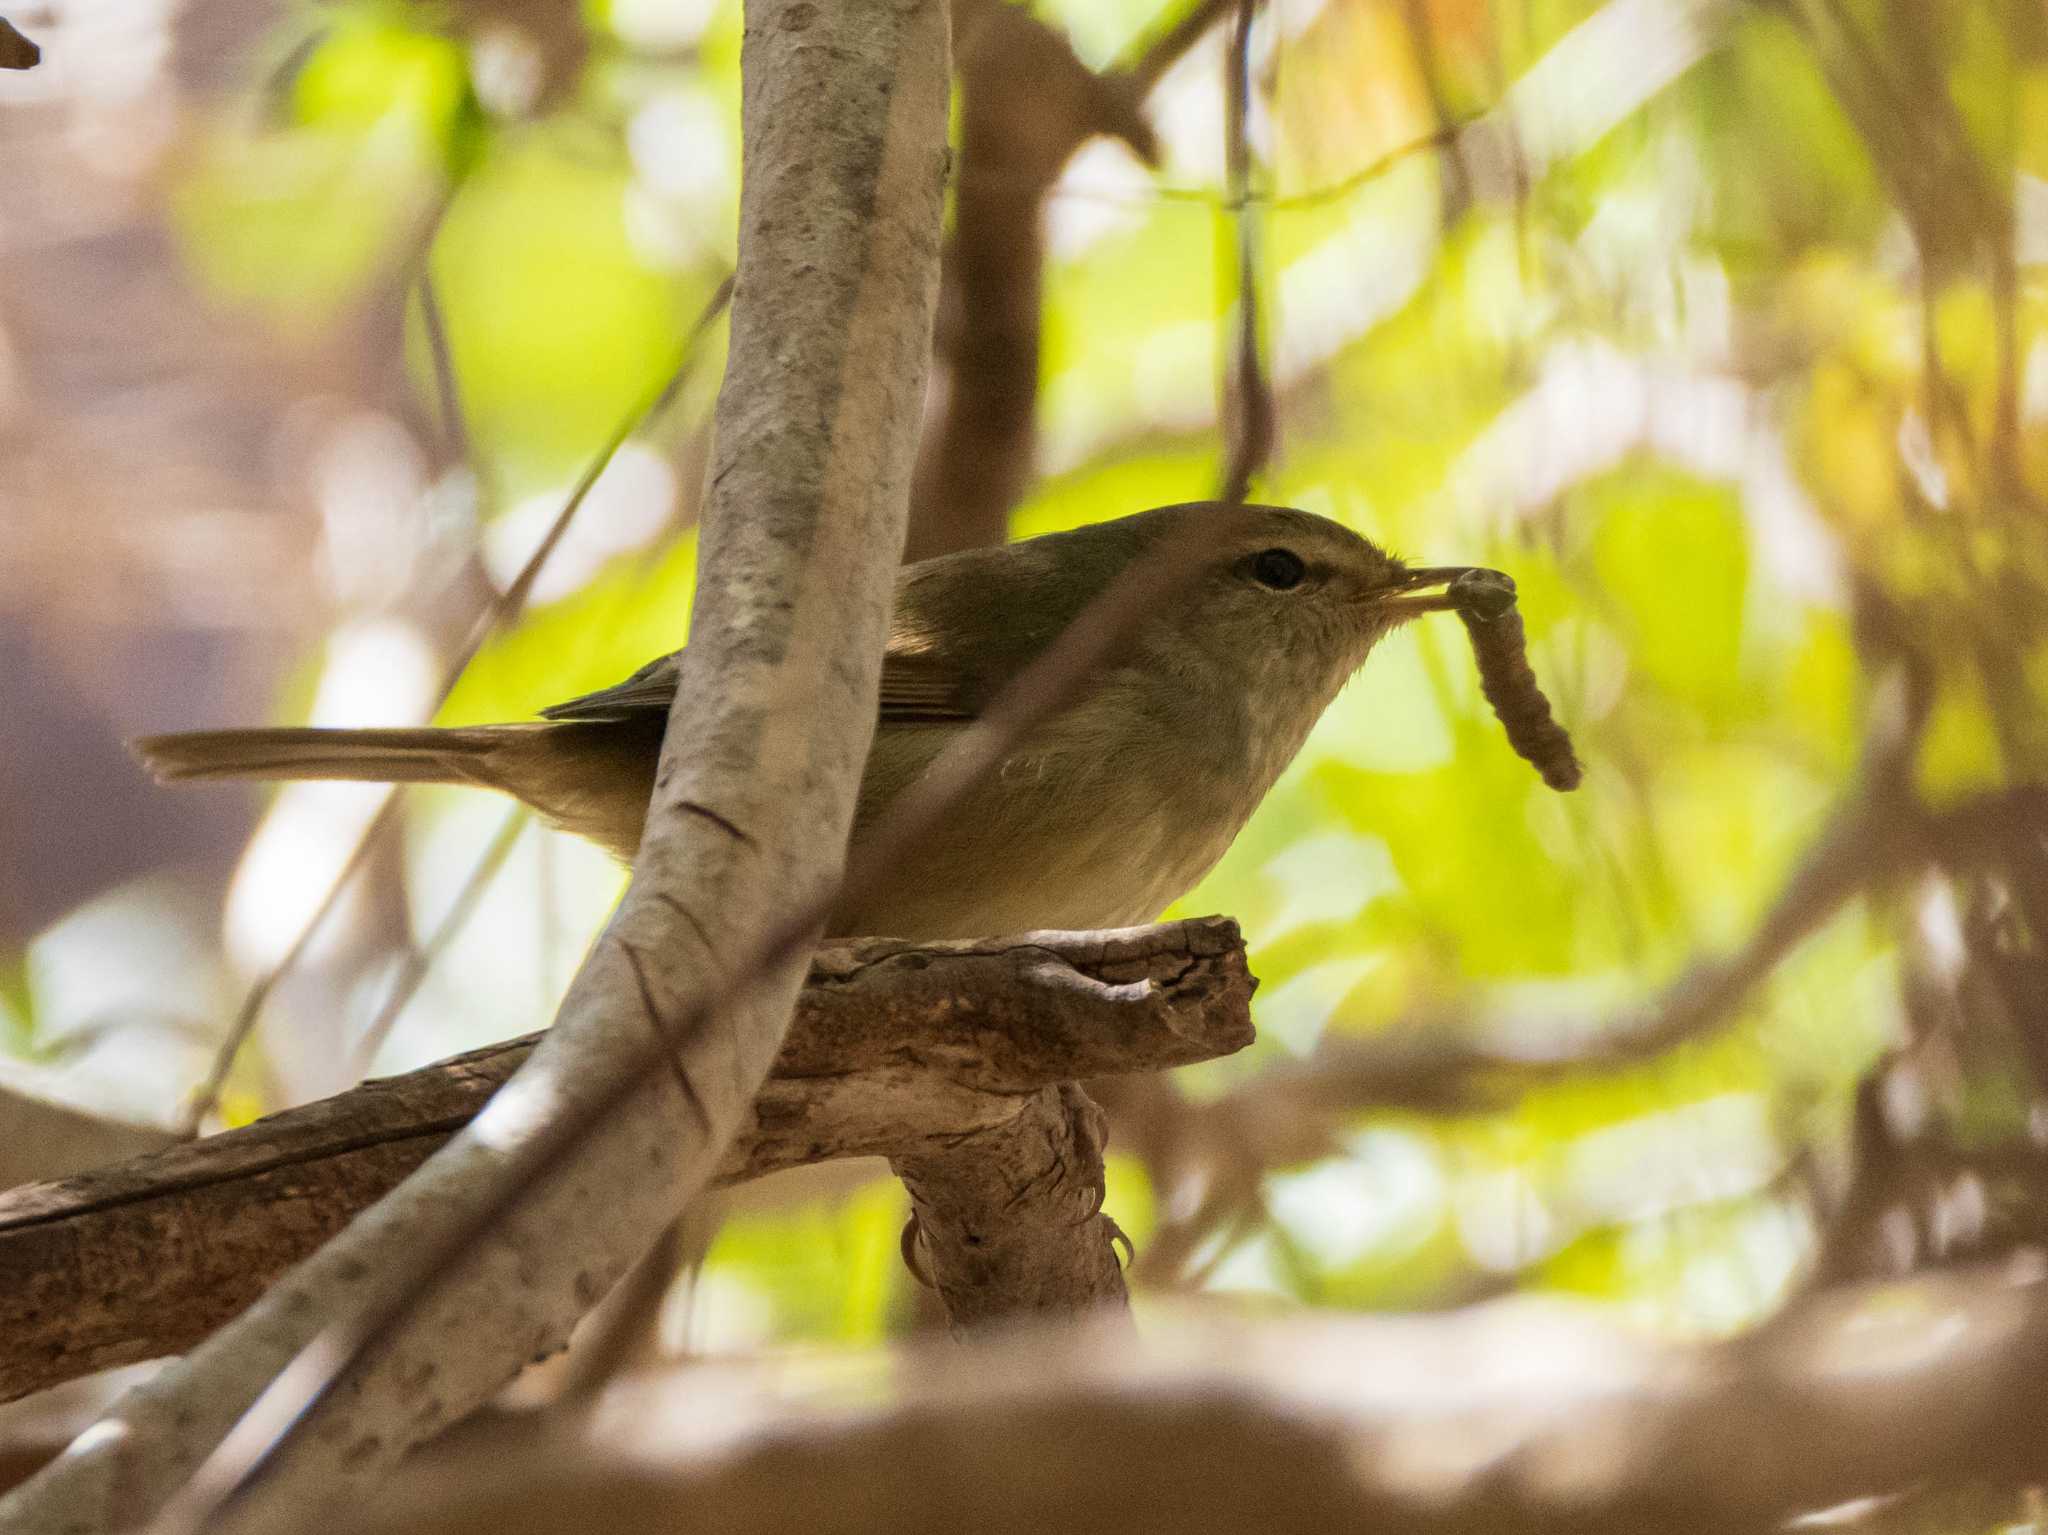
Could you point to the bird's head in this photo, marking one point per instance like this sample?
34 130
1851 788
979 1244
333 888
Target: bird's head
1280 597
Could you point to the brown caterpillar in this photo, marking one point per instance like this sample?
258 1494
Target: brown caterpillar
1484 601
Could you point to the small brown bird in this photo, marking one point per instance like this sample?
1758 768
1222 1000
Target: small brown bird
1107 812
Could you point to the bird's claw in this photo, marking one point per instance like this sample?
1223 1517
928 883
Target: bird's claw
908 1244
1118 1238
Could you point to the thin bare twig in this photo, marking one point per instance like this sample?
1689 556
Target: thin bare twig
1154 53
1248 396
626 1324
206 1097
505 608
1455 183
1319 195
453 422
421 960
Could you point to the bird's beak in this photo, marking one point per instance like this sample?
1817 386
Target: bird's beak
1409 595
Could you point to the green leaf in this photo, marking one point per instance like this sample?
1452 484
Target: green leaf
637 609
368 68
1115 486
558 325
1960 753
827 1270
1673 556
297 218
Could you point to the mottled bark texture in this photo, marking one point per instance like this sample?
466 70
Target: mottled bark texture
843 132
938 1055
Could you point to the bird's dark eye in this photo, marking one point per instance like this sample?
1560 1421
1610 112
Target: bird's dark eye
1280 569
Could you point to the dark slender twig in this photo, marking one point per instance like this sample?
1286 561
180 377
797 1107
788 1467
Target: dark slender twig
453 422
1158 51
1248 396
1316 196
421 960
206 1097
505 608
512 604
1331 191
1455 181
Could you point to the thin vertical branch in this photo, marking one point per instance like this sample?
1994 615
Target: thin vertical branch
1454 178
205 1098
421 960
2004 258
454 421
584 1157
504 609
1248 396
1158 51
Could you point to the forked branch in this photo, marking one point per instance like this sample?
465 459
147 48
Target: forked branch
935 1055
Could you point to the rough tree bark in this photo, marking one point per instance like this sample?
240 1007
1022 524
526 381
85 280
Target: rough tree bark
997 1209
922 1052
844 142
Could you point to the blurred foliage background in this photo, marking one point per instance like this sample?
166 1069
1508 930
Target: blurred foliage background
1720 325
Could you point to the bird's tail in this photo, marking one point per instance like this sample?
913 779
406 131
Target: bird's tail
378 756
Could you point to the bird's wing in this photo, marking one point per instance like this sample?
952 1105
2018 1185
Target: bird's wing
964 626
650 690
918 687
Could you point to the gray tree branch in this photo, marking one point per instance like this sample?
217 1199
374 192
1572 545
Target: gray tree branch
932 1054
843 130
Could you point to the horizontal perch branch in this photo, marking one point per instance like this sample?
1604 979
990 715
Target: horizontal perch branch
897 1049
